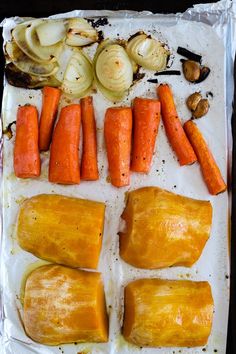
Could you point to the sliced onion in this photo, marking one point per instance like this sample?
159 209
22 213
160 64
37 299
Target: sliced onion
50 32
113 70
26 64
63 60
18 35
80 32
148 52
18 78
78 78
48 53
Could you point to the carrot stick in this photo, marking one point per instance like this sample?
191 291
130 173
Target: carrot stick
89 166
118 130
210 170
51 96
64 154
26 152
173 127
146 122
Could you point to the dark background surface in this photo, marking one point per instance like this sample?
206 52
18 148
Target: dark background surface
41 8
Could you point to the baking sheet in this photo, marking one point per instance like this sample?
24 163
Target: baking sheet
206 29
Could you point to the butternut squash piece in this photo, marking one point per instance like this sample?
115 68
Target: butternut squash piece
164 229
64 305
61 229
165 313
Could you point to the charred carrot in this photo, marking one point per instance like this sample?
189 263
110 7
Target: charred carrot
210 170
64 151
146 119
26 152
173 127
89 165
51 97
118 131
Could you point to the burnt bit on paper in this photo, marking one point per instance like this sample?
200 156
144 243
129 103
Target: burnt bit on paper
189 55
8 130
153 81
102 21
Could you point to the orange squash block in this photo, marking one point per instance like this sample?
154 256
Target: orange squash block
165 313
164 229
64 305
61 229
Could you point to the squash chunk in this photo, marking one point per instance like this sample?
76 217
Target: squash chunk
164 229
61 229
165 313
64 305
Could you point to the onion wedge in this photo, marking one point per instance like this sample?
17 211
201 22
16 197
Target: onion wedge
147 52
50 32
26 64
113 70
18 78
80 33
48 53
78 77
18 35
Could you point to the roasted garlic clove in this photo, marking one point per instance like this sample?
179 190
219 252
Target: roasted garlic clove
193 101
197 105
201 109
191 70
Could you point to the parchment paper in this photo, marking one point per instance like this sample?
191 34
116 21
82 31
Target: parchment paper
207 29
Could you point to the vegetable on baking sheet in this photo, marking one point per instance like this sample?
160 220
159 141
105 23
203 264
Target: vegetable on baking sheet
168 313
62 229
118 131
50 32
64 305
44 53
193 100
18 35
64 151
51 97
113 70
173 127
80 32
26 64
147 52
193 72
27 40
163 229
210 170
197 105
146 119
18 78
26 152
89 164
78 77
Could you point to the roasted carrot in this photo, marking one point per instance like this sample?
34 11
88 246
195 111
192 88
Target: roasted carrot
118 131
146 119
26 152
64 151
173 127
210 170
89 165
51 97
